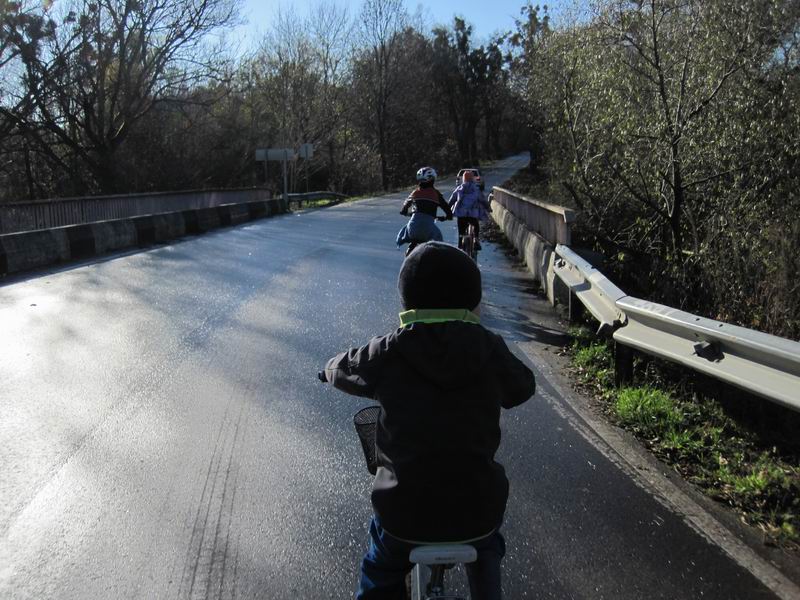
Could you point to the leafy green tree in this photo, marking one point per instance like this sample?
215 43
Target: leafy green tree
672 124
457 71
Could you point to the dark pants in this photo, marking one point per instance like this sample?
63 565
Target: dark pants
385 566
463 223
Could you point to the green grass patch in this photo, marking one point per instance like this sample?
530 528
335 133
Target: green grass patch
593 360
319 203
650 412
694 434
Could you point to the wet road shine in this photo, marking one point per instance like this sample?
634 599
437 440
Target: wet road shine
163 434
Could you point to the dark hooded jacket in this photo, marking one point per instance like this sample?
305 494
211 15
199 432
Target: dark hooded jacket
441 380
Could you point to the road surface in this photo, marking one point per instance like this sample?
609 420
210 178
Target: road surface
163 433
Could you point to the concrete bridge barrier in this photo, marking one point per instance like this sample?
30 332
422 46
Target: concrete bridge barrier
536 251
207 219
32 249
81 241
535 228
169 226
113 235
238 213
29 250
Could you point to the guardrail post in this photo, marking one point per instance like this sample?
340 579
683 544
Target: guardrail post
576 309
623 365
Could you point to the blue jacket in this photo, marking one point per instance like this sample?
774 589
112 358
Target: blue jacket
467 201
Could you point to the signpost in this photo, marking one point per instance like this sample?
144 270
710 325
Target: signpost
277 154
306 151
284 155
261 154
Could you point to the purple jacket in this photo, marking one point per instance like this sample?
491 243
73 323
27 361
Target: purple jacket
467 201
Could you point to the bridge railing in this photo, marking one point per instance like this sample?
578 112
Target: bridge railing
45 214
763 364
550 221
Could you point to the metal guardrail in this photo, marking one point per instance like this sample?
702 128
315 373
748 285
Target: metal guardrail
44 214
591 287
17 217
763 364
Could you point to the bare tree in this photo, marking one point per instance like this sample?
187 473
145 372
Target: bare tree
106 65
381 21
299 77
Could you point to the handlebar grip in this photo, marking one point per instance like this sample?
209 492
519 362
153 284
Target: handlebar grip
322 377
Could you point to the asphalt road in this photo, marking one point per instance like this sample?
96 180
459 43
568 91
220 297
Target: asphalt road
163 434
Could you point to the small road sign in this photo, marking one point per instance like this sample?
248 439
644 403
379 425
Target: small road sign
306 151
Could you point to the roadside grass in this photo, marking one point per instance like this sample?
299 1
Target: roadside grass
323 203
692 432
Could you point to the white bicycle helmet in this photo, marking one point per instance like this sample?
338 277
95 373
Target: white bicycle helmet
426 174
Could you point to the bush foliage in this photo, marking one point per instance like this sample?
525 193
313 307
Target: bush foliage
674 126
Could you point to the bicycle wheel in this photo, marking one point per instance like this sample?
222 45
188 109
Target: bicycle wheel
468 246
416 582
470 242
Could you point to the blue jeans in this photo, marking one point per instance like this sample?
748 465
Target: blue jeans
385 566
420 228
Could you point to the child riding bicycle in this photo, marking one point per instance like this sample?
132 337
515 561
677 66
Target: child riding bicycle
469 206
441 380
423 202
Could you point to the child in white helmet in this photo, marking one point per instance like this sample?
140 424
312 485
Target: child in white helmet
424 202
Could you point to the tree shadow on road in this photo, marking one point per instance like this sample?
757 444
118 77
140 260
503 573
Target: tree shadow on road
517 326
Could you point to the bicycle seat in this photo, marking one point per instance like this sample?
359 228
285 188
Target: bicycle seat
443 554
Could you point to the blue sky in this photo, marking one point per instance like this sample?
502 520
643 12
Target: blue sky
486 16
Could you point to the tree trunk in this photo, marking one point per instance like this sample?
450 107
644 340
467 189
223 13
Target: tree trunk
104 170
29 174
473 143
678 199
382 152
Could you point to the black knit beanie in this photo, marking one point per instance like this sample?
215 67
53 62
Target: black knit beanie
438 275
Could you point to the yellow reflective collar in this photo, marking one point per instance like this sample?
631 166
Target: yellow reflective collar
437 315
